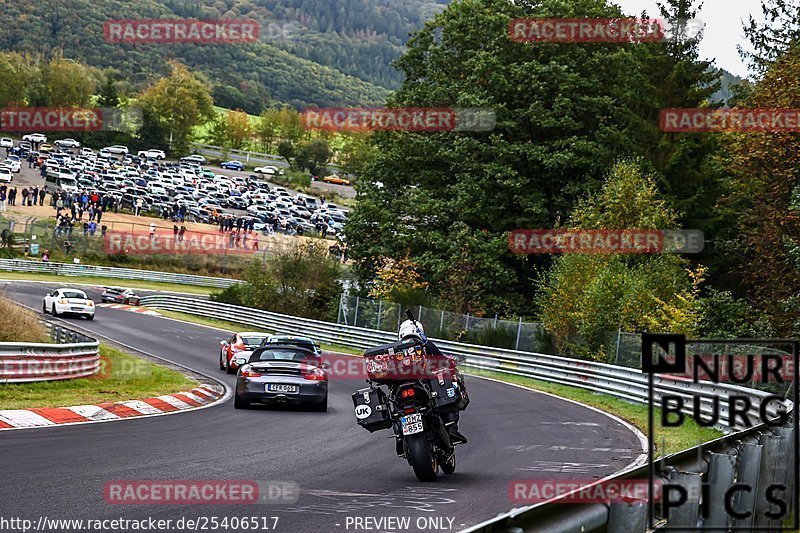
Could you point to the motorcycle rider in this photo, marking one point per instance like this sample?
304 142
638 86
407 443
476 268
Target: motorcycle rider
412 331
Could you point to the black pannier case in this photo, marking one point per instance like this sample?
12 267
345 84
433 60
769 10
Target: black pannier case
372 409
449 393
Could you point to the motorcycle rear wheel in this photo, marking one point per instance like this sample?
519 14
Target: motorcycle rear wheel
421 457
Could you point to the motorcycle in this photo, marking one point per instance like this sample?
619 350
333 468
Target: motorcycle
414 400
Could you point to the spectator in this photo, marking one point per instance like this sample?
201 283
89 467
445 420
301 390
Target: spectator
25 196
103 230
42 194
2 200
255 243
12 197
45 256
85 229
138 208
5 238
152 230
98 213
175 232
181 233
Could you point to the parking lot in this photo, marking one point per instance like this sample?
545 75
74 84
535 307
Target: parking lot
180 191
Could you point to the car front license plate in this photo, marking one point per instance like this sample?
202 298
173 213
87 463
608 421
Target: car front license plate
412 424
275 387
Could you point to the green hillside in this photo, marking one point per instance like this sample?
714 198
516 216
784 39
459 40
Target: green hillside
309 52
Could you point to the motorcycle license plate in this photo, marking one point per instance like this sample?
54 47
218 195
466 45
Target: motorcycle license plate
274 387
412 424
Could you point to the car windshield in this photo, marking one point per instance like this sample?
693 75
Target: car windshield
74 294
252 341
281 354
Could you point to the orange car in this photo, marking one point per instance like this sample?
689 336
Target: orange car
337 180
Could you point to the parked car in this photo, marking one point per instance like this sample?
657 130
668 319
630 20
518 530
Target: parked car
336 180
268 170
282 375
152 153
68 302
116 149
67 143
243 342
232 165
87 151
119 295
196 158
12 164
6 142
35 137
5 174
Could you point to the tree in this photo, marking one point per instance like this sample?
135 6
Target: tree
108 92
180 102
68 83
267 128
239 128
286 150
562 119
314 155
355 153
586 295
771 39
14 79
762 203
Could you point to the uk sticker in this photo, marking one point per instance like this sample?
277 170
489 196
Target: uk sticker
740 394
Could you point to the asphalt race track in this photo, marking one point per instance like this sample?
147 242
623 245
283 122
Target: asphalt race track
342 470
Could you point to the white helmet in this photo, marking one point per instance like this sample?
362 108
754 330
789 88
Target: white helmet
410 328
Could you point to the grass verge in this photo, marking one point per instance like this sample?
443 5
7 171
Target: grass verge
668 440
108 282
122 377
18 324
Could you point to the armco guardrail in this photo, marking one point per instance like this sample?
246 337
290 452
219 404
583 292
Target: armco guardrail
621 382
67 269
73 355
755 455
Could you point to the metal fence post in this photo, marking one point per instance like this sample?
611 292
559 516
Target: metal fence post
747 473
770 457
441 324
519 331
627 517
787 441
380 308
685 516
721 470
355 317
399 314
339 314
466 323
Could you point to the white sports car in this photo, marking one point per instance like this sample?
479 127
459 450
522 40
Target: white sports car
68 302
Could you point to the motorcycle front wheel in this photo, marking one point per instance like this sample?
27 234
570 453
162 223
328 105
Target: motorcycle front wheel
421 457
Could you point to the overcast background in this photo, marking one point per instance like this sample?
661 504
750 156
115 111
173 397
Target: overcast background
723 28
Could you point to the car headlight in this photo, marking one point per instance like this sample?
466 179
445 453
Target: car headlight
90 303
62 301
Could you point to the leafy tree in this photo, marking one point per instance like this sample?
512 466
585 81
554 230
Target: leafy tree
562 119
181 102
398 281
762 203
239 129
313 155
287 151
69 84
772 38
588 294
108 92
355 153
304 281
14 79
267 128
